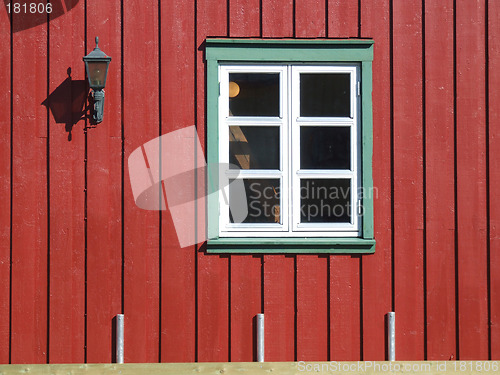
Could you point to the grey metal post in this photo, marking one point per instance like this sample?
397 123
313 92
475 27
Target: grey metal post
120 340
260 337
391 336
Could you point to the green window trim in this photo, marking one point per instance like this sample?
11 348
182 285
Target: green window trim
221 50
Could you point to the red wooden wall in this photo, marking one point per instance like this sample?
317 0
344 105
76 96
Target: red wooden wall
75 250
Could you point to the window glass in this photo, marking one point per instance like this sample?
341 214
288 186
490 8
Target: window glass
325 200
254 147
325 95
262 198
254 94
325 147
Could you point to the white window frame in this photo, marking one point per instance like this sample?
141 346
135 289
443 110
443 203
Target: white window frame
290 173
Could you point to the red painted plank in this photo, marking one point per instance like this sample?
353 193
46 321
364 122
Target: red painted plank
377 268
141 228
345 318
408 181
212 270
245 270
277 19
244 16
312 308
312 272
310 19
178 111
494 167
104 221
5 204
213 312
29 203
245 302
279 307
440 181
471 180
345 305
279 270
343 18
67 179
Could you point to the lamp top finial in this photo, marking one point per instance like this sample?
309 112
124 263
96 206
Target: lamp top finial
97 41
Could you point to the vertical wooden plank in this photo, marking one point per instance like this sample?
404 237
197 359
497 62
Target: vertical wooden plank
67 180
279 307
408 180
29 201
244 16
312 308
104 201
5 181
178 108
213 310
494 167
277 19
471 180
245 305
245 279
343 19
345 296
141 228
377 268
212 270
345 305
440 180
310 18
279 270
312 272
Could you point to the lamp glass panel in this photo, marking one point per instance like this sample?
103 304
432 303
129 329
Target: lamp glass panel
97 74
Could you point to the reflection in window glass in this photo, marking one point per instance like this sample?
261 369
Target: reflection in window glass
254 147
254 94
325 200
262 198
325 95
325 147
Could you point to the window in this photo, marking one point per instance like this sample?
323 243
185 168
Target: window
289 132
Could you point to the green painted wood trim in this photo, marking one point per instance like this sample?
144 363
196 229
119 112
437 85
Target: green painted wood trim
291 245
288 41
289 50
213 149
367 149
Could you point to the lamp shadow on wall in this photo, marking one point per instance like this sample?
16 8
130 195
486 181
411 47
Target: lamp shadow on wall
24 17
67 103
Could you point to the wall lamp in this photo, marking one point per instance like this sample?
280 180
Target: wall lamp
96 65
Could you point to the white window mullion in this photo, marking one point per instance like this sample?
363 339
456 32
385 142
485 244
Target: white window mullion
285 150
225 122
290 174
297 174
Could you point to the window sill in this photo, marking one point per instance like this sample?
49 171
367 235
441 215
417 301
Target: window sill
291 246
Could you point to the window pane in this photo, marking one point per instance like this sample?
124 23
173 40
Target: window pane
325 147
325 95
254 94
254 147
262 199
325 200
